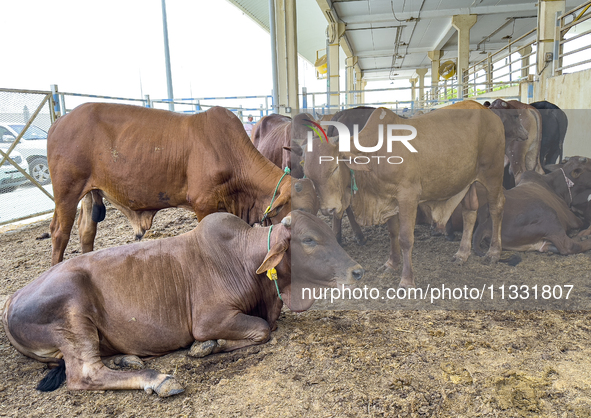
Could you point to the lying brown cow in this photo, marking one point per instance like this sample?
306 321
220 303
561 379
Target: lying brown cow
523 156
144 160
466 135
537 215
151 298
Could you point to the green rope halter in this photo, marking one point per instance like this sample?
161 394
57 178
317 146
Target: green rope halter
272 273
266 214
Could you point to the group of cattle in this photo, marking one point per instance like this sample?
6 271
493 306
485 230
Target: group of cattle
210 287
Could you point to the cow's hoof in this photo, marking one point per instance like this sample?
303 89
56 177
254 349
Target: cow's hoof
169 387
406 283
202 348
361 240
491 258
459 260
450 237
133 362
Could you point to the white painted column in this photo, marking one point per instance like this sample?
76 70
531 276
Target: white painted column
334 32
526 50
463 23
435 57
547 11
413 90
287 56
421 73
350 63
359 85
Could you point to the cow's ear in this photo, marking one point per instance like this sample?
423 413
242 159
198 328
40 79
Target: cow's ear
349 159
277 251
576 173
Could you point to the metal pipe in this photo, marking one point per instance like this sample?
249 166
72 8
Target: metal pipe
275 105
167 58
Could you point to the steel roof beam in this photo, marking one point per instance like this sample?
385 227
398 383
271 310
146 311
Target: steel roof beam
443 13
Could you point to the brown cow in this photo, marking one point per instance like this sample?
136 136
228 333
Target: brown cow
537 215
277 138
304 197
520 155
465 133
143 160
151 298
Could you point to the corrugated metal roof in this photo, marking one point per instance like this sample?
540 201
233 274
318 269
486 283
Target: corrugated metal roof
373 26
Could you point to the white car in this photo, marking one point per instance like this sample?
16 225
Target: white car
10 177
32 146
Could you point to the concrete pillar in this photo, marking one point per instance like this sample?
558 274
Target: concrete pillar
413 90
287 56
363 84
526 50
421 73
435 57
358 83
547 12
334 33
350 63
463 23
489 73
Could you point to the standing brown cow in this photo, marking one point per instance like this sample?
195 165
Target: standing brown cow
457 146
144 160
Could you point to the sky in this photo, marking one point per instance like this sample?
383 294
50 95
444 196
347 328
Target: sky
116 48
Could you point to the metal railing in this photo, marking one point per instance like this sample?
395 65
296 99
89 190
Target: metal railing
259 105
569 50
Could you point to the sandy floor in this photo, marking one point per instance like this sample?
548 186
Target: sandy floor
358 358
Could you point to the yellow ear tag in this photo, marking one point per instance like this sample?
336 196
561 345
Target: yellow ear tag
272 274
268 209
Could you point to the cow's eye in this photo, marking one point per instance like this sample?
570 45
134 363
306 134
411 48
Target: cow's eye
309 241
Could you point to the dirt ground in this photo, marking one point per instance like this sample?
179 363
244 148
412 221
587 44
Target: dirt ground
360 358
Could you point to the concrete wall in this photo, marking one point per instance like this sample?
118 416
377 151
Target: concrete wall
572 93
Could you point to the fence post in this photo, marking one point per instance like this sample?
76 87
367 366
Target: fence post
557 61
147 101
240 114
304 98
56 111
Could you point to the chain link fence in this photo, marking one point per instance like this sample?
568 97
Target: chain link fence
25 184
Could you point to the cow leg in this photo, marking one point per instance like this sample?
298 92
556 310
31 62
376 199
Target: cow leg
230 333
63 219
361 240
469 213
86 226
79 343
393 262
407 218
565 245
496 202
337 224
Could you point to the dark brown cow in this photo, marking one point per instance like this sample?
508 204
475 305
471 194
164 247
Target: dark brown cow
151 298
277 138
537 215
554 127
466 133
520 155
265 125
144 160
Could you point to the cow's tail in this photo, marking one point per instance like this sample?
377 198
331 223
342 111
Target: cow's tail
54 378
98 207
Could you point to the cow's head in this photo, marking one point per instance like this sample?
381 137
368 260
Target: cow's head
331 177
312 260
578 171
512 120
303 196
